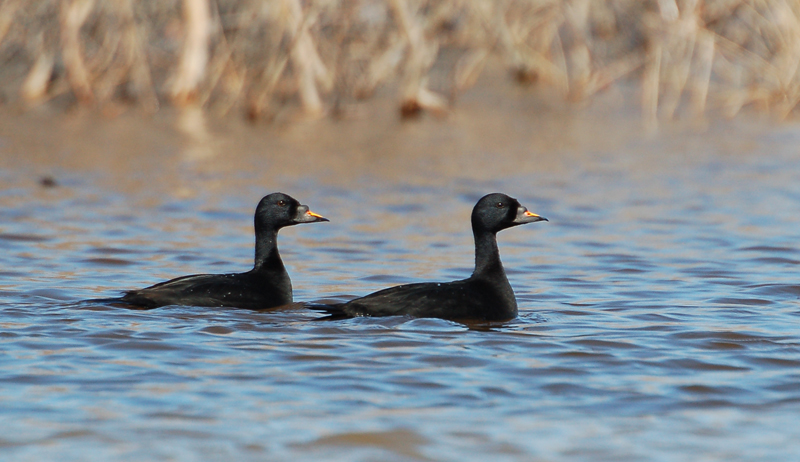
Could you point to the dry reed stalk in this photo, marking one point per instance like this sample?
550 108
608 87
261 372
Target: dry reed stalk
483 17
602 78
696 54
7 11
787 24
140 74
680 60
576 13
420 56
223 73
756 57
383 67
194 56
73 15
261 83
679 43
109 65
218 64
34 87
264 91
603 70
121 59
739 94
527 34
706 47
650 85
469 67
312 74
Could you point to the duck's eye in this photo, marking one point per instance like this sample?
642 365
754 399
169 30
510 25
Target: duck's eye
282 203
500 205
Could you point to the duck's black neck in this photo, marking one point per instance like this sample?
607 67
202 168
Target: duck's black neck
267 256
487 256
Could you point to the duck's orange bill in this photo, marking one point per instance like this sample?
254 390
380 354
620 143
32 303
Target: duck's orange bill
315 215
529 214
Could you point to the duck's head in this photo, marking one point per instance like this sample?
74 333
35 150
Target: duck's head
278 210
497 211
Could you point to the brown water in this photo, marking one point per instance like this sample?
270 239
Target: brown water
659 307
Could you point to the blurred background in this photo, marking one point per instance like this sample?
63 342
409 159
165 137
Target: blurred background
254 59
658 306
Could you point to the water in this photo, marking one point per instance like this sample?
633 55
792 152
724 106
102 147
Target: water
659 307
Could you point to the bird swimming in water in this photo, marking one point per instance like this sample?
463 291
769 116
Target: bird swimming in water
484 296
267 285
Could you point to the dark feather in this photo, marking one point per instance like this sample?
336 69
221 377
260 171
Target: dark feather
265 286
484 296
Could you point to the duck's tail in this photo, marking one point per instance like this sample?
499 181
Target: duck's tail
118 302
332 312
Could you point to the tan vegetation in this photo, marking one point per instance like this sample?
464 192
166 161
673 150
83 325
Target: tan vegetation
689 56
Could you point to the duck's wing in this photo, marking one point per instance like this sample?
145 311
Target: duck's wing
448 300
212 290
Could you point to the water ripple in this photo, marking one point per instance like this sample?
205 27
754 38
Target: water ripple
657 321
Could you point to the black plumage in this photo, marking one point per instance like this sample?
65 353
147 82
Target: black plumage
484 296
267 285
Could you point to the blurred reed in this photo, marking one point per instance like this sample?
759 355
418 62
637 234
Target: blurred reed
256 56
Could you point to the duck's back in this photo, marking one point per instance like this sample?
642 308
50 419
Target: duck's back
252 290
468 299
